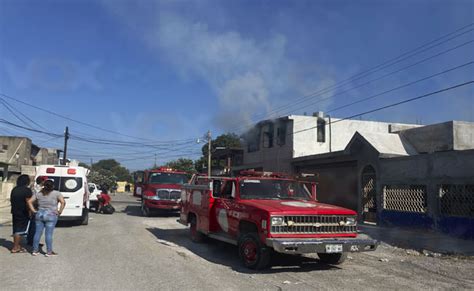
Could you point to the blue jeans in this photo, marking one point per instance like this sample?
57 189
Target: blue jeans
44 220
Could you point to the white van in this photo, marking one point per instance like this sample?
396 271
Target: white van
72 183
94 190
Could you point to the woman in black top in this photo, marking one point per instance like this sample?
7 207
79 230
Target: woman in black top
20 213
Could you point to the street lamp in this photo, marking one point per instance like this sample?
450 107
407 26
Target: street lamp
208 137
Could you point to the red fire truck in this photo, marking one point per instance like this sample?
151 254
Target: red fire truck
261 211
160 189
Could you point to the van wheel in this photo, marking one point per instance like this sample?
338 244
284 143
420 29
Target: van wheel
253 253
145 209
85 216
195 235
332 259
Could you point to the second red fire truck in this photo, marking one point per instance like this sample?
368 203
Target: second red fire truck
160 189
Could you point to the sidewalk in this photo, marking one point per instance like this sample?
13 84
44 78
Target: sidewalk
5 215
419 239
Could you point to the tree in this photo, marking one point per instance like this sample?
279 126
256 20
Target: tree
105 164
227 140
84 165
182 164
103 178
112 170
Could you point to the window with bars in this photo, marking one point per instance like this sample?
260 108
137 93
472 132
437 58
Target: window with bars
405 198
457 200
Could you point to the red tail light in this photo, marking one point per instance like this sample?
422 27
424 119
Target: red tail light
50 170
71 171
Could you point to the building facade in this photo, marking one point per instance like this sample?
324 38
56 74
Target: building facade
19 152
417 177
273 144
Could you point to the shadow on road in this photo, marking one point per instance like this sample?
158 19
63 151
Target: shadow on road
8 244
134 210
226 254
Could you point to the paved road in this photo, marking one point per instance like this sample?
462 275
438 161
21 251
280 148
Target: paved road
124 251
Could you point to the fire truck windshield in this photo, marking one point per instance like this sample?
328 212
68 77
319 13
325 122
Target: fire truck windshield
167 178
273 189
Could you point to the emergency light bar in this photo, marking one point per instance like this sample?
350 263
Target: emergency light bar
263 174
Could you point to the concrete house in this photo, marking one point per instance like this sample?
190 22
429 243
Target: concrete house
273 144
19 152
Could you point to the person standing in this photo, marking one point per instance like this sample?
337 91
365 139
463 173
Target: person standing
36 189
19 210
46 216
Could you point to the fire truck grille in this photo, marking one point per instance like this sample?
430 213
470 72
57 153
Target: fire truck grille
175 195
318 224
168 194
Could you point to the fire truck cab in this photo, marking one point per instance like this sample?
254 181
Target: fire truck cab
262 211
159 189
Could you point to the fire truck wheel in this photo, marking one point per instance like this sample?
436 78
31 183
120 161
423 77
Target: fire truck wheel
332 259
195 235
145 209
252 253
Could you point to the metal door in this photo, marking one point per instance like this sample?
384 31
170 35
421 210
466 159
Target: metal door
369 195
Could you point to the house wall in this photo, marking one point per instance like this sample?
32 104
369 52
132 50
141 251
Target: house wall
20 145
277 158
301 142
431 138
338 134
46 157
463 135
431 171
337 182
340 184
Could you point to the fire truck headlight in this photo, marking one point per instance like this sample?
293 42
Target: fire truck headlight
277 221
150 197
351 221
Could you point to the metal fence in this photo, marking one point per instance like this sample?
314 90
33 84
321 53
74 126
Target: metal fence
405 198
456 200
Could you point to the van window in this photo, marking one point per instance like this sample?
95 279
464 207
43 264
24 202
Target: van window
66 184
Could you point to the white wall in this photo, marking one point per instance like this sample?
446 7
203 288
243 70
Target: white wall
305 142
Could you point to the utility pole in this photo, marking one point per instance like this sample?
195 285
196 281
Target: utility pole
155 162
91 162
66 137
209 153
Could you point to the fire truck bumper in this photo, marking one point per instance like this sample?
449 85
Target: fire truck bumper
306 246
162 205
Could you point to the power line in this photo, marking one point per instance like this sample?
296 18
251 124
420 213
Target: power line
127 143
169 149
392 73
13 113
74 120
5 103
30 129
402 86
390 105
382 66
386 64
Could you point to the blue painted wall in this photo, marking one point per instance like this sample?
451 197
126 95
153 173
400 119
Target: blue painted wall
457 226
405 219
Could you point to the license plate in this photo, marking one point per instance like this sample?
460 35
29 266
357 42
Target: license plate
333 248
